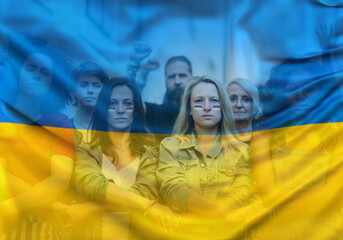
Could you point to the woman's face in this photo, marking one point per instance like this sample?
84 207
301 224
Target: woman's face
87 90
241 102
121 109
205 107
35 75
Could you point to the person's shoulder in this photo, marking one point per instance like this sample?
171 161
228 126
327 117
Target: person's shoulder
172 142
56 120
89 149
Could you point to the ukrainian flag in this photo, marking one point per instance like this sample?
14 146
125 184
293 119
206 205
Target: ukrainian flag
292 50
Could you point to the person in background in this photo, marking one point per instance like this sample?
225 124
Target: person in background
89 78
37 145
161 118
246 106
178 72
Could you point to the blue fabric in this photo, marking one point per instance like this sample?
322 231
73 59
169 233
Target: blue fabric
223 39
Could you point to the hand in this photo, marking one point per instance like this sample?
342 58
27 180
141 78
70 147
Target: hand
326 36
150 65
164 217
59 210
68 215
141 50
75 213
144 70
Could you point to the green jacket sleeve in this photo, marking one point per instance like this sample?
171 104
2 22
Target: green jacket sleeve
88 178
172 177
146 182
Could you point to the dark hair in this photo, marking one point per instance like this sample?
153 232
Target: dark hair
21 46
181 59
89 68
140 136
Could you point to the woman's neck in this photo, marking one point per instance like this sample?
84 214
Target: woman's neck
29 108
206 139
121 143
83 117
120 139
206 131
243 126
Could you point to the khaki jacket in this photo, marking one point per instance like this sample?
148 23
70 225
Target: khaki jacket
183 169
91 184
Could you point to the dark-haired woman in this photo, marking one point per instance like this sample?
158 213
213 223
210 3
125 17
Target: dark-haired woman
118 167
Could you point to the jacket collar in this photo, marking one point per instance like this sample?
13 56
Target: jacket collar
192 143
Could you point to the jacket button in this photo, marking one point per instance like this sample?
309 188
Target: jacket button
230 171
202 165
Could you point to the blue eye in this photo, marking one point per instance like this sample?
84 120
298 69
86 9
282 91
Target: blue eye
128 104
83 84
247 100
233 99
97 85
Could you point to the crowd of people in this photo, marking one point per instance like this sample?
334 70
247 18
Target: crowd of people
213 161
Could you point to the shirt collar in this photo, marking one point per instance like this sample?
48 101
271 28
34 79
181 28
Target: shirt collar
192 143
216 148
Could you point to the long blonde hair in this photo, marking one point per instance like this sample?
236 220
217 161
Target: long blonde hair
184 124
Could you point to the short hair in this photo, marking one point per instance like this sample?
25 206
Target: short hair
92 69
181 59
253 92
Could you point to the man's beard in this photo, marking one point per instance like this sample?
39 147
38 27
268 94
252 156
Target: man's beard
175 96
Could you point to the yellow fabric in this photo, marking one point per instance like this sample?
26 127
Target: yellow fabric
299 176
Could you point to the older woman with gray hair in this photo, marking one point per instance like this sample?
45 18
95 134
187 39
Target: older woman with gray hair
245 103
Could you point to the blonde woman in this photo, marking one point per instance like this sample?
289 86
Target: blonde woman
116 172
203 168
